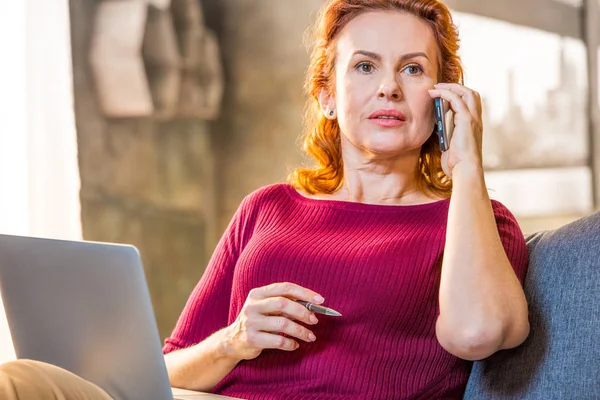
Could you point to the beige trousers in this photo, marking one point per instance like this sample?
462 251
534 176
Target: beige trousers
33 380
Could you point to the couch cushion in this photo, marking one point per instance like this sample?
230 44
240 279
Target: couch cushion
561 357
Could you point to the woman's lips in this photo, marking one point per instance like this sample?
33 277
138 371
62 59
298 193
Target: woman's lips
387 122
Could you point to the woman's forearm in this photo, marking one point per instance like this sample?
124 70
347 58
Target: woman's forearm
202 366
482 304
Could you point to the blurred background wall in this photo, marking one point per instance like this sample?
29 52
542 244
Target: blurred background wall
168 180
257 137
147 180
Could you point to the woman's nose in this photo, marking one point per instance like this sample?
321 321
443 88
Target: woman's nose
390 90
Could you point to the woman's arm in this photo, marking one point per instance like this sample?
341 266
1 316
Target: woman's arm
201 366
482 304
268 311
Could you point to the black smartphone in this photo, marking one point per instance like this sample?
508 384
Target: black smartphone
444 118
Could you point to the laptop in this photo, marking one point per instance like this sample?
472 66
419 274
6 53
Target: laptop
85 307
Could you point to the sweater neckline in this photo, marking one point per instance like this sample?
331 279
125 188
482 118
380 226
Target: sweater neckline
351 205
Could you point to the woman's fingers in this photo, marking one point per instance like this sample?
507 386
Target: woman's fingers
286 307
270 311
264 340
470 97
286 289
457 103
282 324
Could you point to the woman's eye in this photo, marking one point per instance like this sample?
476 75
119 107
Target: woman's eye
365 67
413 69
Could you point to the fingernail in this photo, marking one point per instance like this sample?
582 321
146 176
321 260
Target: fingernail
319 299
312 337
313 319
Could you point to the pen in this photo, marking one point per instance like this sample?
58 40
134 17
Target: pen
319 309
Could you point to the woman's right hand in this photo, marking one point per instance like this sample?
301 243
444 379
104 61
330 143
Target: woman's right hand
268 311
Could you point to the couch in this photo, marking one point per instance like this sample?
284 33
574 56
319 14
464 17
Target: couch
561 357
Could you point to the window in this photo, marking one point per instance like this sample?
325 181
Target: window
533 85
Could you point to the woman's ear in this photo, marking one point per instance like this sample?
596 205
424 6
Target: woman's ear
327 104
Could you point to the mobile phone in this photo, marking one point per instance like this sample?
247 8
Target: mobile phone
444 118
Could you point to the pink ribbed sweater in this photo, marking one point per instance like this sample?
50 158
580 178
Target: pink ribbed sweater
377 265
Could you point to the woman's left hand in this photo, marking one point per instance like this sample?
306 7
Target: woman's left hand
466 141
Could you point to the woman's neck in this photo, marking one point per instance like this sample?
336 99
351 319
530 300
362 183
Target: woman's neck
389 189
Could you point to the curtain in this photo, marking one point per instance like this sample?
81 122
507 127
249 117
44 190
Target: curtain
39 175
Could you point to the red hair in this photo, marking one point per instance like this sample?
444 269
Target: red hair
322 137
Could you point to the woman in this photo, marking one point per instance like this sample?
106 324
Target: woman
367 230
401 239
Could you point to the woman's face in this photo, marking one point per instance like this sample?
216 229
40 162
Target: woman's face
386 62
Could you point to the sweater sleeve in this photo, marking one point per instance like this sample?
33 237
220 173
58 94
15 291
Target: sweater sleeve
207 308
512 239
